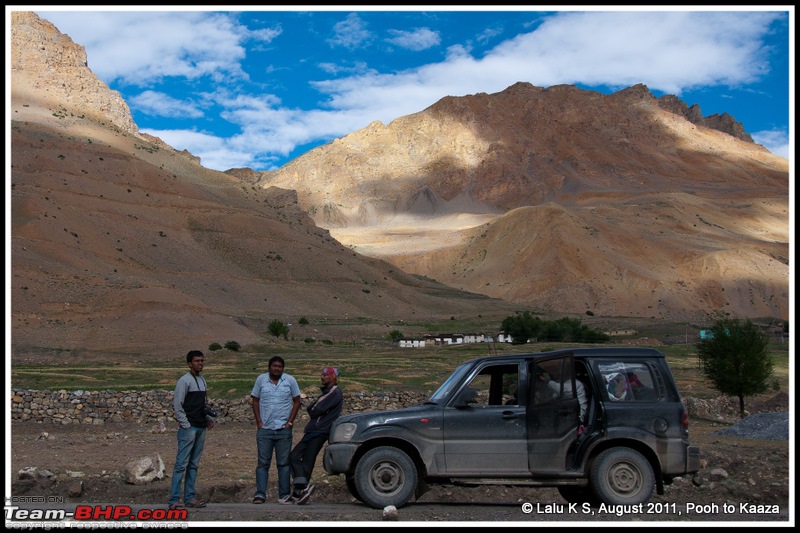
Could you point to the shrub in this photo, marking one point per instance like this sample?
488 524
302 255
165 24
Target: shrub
394 335
214 346
233 346
303 321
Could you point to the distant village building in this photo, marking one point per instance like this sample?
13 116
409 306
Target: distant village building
445 339
706 334
474 337
412 343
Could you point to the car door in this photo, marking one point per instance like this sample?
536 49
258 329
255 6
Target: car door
553 413
484 425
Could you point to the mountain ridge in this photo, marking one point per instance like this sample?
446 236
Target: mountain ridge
417 191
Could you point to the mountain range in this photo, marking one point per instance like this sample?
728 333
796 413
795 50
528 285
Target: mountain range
563 199
557 200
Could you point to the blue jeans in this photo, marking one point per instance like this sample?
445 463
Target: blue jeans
268 440
190 448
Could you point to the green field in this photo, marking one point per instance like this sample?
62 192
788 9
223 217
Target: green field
371 366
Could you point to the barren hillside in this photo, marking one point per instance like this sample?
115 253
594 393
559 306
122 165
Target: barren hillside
121 244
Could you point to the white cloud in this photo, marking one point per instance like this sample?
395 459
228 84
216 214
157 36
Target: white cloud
488 34
214 152
776 141
419 39
266 35
163 105
666 51
139 48
350 33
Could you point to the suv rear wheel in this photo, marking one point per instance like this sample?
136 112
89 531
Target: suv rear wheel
385 476
622 476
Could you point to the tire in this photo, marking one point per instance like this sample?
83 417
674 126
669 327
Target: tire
579 495
351 487
621 476
422 488
385 476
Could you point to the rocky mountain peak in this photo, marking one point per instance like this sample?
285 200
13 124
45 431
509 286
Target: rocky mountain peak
49 70
724 123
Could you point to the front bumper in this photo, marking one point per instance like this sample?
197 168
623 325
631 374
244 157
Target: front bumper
338 457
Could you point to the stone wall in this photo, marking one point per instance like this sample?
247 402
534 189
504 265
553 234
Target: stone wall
155 406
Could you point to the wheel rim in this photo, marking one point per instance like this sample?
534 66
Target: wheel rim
386 477
625 479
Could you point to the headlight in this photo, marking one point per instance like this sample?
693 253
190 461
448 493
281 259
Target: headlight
343 432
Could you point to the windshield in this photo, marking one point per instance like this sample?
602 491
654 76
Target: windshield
454 379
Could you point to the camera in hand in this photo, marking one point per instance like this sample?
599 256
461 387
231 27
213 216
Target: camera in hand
210 411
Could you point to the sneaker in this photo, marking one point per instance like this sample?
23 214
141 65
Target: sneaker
288 500
305 494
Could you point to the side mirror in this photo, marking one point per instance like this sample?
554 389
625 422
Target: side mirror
466 397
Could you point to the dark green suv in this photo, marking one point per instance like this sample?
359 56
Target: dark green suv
603 425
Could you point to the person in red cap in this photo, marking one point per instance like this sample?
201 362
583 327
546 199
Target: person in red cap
322 411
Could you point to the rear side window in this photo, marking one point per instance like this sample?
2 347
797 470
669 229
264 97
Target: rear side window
628 382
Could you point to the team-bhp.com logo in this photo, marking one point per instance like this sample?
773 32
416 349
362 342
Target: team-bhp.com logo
46 514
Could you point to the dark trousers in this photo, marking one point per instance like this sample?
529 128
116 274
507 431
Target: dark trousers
303 457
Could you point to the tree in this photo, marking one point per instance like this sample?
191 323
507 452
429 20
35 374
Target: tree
522 326
278 328
233 346
735 359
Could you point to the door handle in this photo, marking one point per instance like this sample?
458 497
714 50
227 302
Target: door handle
509 415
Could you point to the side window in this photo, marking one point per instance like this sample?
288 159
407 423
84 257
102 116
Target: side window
511 387
494 385
552 380
628 382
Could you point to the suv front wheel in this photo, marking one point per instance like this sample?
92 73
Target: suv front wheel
385 476
622 476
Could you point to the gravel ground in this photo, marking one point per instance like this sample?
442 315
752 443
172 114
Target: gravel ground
768 426
744 463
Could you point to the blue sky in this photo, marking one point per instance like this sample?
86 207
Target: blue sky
258 88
